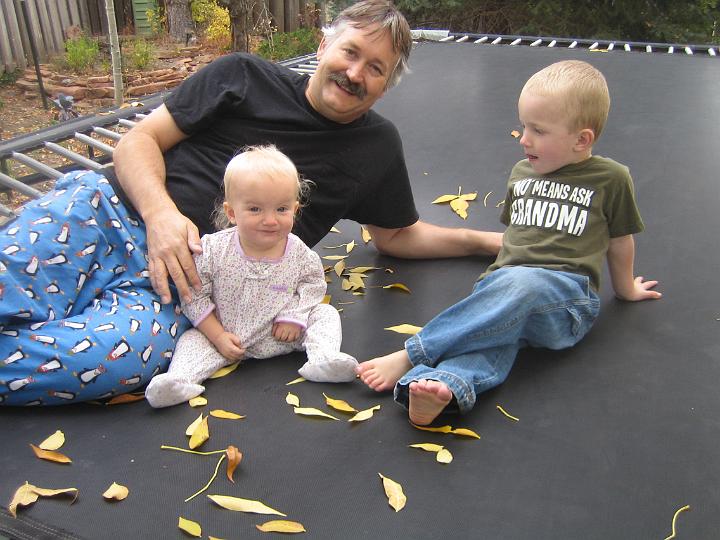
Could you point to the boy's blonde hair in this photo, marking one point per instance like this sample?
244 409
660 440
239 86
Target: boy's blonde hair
260 160
582 89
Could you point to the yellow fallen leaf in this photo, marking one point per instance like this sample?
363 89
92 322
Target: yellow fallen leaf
126 398
428 447
335 257
365 234
390 270
200 435
192 427
468 196
515 133
292 399
363 269
350 246
212 478
460 207
464 432
309 411
326 300
358 293
198 401
237 504
281 526
365 414
116 492
50 455
510 416
53 442
679 511
227 415
346 285
485 198
356 281
227 370
339 404
405 329
339 267
27 494
444 456
444 199
190 527
234 456
397 286
394 492
334 229
441 429
296 381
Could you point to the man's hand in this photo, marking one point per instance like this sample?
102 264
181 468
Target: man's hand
172 239
287 332
229 345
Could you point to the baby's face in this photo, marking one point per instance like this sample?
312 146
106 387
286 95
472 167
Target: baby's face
548 142
264 209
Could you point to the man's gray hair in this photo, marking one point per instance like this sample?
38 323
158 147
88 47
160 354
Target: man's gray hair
388 18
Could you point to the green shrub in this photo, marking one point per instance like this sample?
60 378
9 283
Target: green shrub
139 55
281 46
157 19
81 53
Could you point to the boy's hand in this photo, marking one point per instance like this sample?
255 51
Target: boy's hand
287 332
230 346
642 291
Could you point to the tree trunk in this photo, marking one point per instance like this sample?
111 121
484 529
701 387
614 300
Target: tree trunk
240 21
115 55
180 24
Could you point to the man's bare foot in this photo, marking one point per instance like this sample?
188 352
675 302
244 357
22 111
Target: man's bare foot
383 372
427 400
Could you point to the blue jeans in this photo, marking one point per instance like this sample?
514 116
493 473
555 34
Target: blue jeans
472 345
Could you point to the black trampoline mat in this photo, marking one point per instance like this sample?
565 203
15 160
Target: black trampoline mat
614 436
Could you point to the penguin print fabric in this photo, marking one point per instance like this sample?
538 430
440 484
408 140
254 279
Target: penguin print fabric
78 317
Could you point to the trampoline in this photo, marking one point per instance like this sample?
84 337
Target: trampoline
613 436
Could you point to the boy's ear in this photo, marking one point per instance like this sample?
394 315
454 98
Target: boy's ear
585 140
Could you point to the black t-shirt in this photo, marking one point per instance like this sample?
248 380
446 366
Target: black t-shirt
358 168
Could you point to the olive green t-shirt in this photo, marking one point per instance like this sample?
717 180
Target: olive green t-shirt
564 220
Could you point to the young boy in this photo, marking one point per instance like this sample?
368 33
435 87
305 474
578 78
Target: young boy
564 210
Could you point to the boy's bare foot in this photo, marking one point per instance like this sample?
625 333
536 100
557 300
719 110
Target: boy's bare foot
383 372
427 400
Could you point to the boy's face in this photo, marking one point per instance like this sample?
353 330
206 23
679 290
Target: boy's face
548 142
264 210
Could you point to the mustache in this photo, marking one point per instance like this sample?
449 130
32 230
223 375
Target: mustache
346 84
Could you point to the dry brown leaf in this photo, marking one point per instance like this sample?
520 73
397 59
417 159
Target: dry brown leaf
339 404
281 526
226 415
234 457
27 494
394 492
237 504
190 527
398 286
53 442
116 492
224 371
310 411
192 427
365 414
50 455
405 329
198 401
365 234
200 435
292 399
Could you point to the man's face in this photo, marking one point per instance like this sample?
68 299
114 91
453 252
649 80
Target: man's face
352 73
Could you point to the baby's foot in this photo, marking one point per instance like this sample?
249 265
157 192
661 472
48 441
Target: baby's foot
427 400
338 369
383 372
166 390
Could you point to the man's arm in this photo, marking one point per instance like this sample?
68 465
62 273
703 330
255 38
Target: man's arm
425 241
621 257
140 168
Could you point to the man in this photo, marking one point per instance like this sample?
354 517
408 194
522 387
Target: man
79 319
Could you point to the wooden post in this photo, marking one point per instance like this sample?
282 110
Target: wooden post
277 8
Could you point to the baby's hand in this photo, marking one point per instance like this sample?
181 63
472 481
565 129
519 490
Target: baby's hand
230 346
642 290
284 331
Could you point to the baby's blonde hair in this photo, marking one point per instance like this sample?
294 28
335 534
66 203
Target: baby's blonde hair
260 160
582 89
